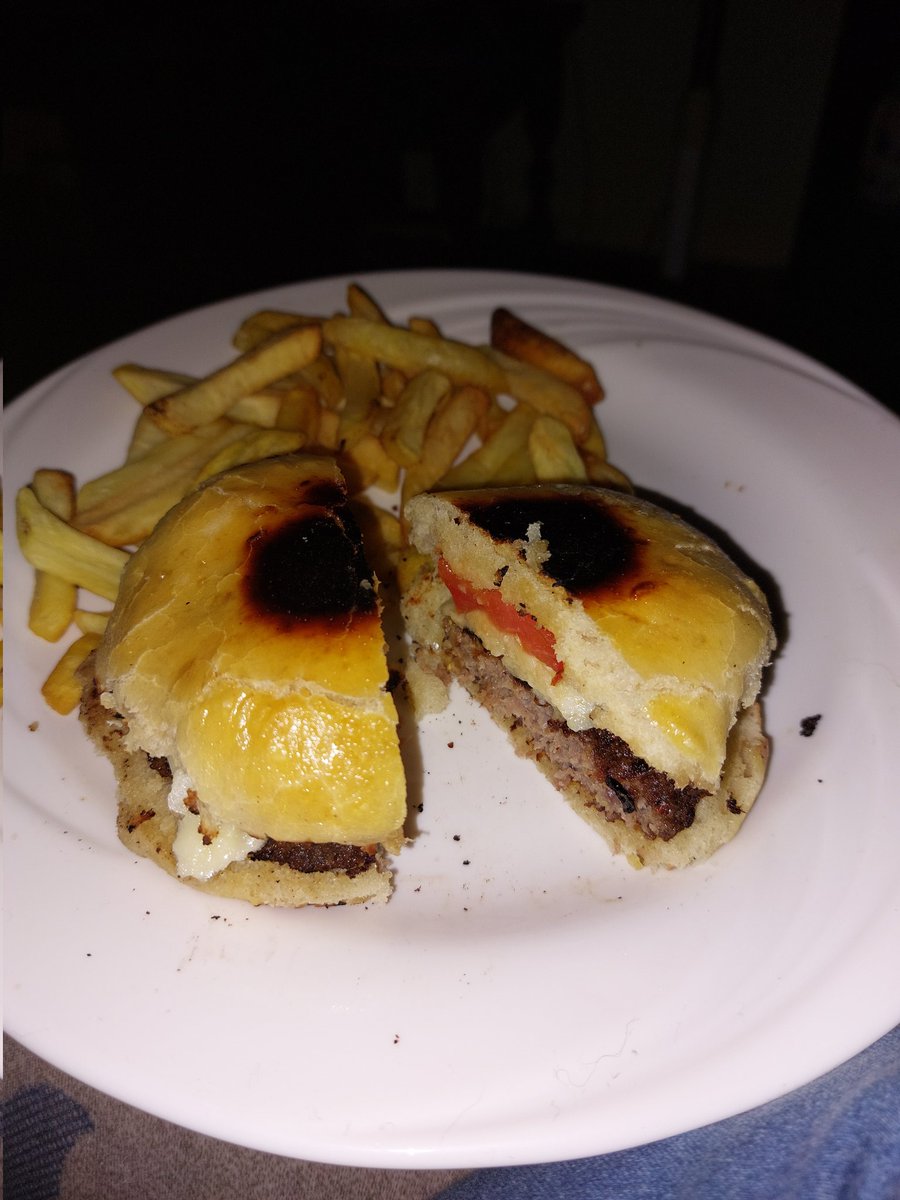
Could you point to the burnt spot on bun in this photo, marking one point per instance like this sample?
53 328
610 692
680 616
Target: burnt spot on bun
591 549
309 567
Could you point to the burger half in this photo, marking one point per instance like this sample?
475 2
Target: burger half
240 691
620 649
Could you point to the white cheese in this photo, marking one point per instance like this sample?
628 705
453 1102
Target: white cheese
204 846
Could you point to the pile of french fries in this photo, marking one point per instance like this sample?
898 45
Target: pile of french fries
402 408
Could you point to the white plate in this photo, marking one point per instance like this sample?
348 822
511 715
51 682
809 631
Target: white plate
524 996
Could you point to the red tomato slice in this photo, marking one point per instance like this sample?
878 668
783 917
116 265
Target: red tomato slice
534 638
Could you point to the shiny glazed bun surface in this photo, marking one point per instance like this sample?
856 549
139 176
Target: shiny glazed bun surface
246 649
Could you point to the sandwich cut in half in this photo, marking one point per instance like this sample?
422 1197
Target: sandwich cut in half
240 691
620 649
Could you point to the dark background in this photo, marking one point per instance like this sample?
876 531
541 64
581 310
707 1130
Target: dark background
742 156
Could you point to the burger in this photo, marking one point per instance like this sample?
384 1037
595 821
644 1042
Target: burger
619 647
241 693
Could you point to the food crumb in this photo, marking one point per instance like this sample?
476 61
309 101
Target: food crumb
808 725
33 727
450 745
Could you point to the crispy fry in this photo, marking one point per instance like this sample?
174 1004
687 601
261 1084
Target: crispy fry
210 398
508 443
123 506
447 435
49 544
324 379
259 443
62 688
382 536
544 392
260 326
412 352
147 384
362 385
329 432
366 464
554 454
424 325
91 622
404 427
53 599
298 411
516 338
361 304
604 474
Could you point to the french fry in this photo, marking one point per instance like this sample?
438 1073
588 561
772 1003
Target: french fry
53 599
516 338
145 436
361 304
549 395
604 474
61 688
412 352
298 411
90 622
382 536
404 427
147 384
392 384
123 506
50 544
362 385
424 325
508 443
366 464
325 381
554 454
447 435
329 432
259 327
210 398
259 443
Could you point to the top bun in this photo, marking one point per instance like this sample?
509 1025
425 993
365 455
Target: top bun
246 648
662 639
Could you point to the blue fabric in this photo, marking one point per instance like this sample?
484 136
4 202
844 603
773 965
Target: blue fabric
40 1126
835 1139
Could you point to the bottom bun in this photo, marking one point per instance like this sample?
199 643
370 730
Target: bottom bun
147 827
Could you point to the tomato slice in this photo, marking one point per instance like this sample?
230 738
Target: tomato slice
534 638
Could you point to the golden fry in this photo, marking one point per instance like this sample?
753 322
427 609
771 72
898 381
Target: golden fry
260 326
62 689
549 395
147 384
123 506
361 304
210 398
482 467
412 352
362 385
49 544
515 337
91 622
259 443
366 464
53 599
554 454
447 435
404 427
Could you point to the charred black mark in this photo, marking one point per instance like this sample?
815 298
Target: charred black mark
310 567
808 725
622 793
588 546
